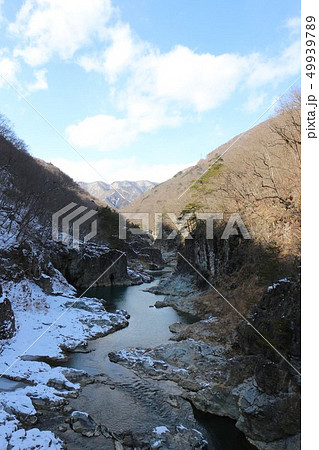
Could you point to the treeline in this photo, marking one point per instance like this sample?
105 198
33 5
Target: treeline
8 134
260 179
31 190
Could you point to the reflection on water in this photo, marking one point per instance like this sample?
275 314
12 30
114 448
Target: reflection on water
149 327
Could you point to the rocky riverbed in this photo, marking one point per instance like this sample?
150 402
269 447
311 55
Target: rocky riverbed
46 326
139 393
228 374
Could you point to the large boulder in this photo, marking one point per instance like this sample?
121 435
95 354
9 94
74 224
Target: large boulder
45 283
83 423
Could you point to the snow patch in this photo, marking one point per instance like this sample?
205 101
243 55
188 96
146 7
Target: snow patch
274 285
160 430
40 335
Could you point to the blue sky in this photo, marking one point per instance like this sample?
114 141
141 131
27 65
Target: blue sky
141 88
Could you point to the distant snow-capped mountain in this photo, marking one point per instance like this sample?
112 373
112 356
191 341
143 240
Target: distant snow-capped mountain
118 193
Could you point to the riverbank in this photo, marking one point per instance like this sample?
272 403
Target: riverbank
38 386
119 388
39 343
225 367
127 405
131 406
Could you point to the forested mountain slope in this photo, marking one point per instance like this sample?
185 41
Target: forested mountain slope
256 174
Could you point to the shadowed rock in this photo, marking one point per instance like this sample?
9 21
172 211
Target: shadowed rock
7 320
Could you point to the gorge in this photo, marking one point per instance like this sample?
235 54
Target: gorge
147 344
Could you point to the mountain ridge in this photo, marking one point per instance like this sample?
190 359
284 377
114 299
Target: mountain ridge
255 174
117 194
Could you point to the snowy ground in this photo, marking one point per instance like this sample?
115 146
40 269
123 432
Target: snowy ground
39 336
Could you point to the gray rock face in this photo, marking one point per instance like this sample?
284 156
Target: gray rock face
79 267
82 267
277 317
7 320
152 257
161 437
220 382
45 283
21 261
270 378
211 257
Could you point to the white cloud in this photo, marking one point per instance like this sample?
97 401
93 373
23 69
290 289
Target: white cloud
147 114
122 48
189 79
103 132
117 169
8 68
167 89
40 82
106 133
293 24
274 70
255 100
198 81
151 89
154 90
48 27
158 90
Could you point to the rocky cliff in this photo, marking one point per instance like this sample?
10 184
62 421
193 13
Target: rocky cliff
242 377
225 367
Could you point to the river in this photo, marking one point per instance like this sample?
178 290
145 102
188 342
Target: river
123 400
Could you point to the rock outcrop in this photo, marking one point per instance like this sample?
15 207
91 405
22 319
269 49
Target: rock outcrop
211 257
83 423
92 264
181 438
151 257
277 317
80 267
220 383
7 319
243 378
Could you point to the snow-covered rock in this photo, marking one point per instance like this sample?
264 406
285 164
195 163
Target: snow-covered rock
46 327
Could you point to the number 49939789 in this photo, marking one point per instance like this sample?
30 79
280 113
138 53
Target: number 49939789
310 46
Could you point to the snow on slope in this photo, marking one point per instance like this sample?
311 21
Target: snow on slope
118 193
34 313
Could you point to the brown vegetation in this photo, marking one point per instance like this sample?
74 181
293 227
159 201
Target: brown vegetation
31 190
258 177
